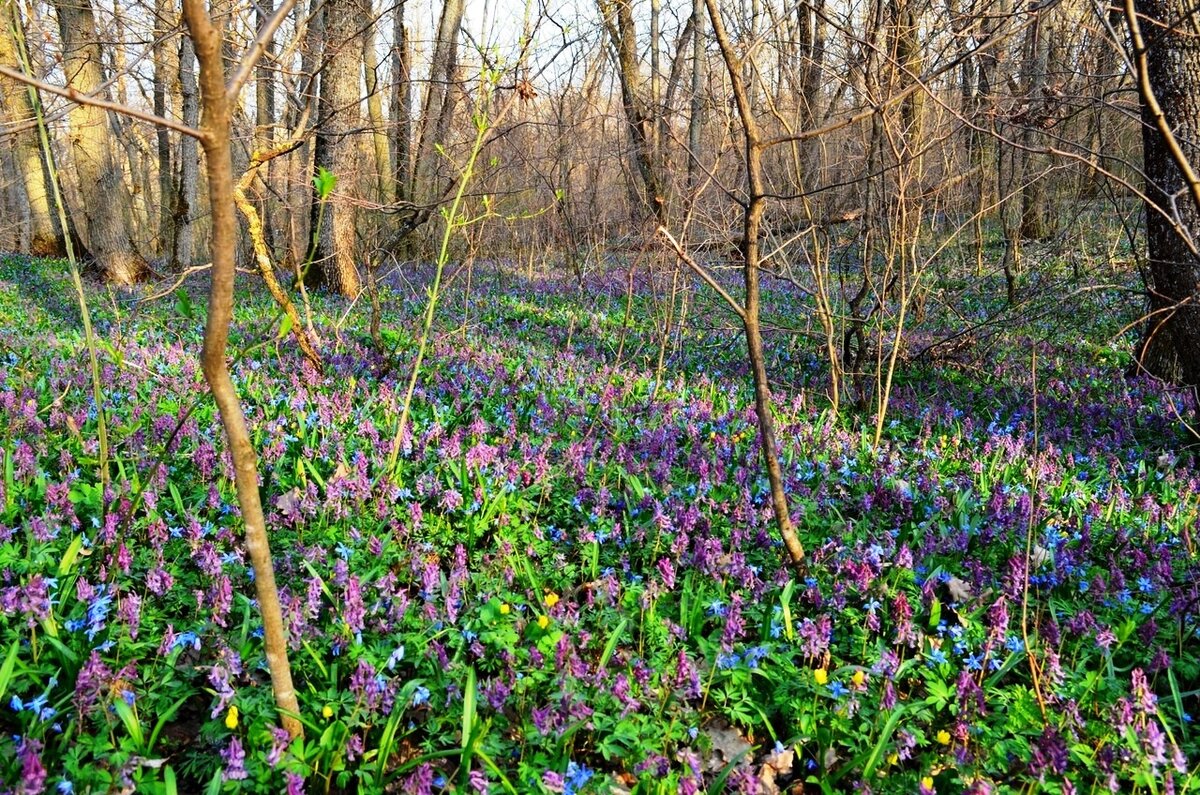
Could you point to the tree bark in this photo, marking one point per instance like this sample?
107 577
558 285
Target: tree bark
338 118
217 123
264 130
753 208
618 19
1034 217
439 104
184 210
166 72
379 137
696 111
106 206
401 103
45 237
1167 57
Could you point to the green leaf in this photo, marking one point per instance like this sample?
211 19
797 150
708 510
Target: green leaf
468 718
132 724
6 670
285 326
68 558
611 646
183 304
884 736
785 600
324 182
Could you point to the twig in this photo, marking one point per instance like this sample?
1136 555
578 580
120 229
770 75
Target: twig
265 34
701 272
88 99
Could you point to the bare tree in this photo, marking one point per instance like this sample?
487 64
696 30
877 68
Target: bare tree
166 73
440 95
184 212
46 239
338 119
1168 73
106 207
215 138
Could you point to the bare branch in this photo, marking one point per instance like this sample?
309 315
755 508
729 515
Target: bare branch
257 49
701 272
87 99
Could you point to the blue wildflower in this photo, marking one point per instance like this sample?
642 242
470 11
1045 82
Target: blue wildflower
186 639
576 778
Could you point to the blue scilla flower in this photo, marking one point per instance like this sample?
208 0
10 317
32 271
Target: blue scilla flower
837 689
755 655
186 639
576 778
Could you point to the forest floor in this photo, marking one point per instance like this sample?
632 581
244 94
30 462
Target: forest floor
571 582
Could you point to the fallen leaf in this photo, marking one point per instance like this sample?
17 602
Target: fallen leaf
960 590
726 742
773 766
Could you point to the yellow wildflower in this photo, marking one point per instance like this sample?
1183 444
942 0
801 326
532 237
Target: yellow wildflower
820 675
327 712
859 678
551 599
943 737
543 621
505 609
927 782
231 718
893 758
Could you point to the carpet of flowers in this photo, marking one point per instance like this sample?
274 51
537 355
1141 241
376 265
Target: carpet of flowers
572 584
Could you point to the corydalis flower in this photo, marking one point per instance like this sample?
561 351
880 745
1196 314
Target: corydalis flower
33 773
235 761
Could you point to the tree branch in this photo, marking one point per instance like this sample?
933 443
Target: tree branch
87 99
256 51
702 273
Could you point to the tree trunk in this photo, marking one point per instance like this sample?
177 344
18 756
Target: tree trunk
218 122
166 72
310 27
1168 62
337 119
618 19
439 103
696 112
45 237
753 208
185 208
264 127
401 103
1034 218
379 137
106 206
